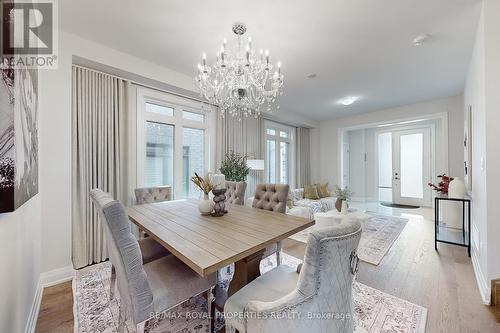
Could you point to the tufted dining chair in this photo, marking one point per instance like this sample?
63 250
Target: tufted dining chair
235 192
153 194
289 300
150 249
272 197
146 290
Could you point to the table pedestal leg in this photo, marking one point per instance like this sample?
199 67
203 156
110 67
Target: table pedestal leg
245 271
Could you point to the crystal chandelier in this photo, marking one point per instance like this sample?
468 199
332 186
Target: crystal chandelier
240 82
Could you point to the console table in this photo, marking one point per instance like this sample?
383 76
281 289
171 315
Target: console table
443 234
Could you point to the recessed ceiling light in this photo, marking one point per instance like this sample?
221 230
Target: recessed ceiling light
348 100
311 76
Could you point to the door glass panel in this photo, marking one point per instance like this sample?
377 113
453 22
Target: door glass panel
385 167
271 161
411 177
192 160
159 109
284 162
159 154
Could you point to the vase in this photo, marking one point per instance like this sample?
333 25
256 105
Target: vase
338 205
206 206
345 207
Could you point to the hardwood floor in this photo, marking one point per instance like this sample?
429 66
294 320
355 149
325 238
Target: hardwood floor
443 282
56 310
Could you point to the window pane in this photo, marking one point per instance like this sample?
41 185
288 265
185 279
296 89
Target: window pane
385 160
284 156
160 109
412 162
192 160
270 131
193 116
271 161
159 154
284 134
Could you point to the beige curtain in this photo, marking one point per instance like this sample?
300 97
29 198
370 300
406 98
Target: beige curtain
246 137
98 111
303 163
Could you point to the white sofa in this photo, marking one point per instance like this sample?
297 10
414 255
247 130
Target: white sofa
305 207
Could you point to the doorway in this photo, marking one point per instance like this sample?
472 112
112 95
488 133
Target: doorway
404 164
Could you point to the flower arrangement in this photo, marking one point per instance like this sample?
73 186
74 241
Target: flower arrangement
203 184
343 194
442 186
234 167
6 173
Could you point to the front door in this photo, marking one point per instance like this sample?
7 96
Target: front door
411 167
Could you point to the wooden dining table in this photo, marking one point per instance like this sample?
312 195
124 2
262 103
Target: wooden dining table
207 243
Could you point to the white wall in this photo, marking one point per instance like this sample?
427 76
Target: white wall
357 169
20 264
329 161
482 93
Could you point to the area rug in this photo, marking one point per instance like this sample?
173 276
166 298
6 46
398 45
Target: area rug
379 233
374 311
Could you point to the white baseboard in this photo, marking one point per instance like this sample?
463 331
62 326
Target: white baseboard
484 287
46 279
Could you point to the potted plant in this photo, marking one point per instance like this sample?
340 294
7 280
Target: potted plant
234 167
205 206
342 195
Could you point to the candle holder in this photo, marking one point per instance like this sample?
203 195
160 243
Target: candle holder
220 202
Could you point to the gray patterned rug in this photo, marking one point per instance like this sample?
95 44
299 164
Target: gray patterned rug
374 311
379 234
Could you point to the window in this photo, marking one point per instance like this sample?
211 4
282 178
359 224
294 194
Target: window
279 159
192 159
193 116
159 154
171 142
159 109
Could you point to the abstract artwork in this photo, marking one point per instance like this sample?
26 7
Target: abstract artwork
468 149
18 136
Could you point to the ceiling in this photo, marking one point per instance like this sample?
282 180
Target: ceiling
356 47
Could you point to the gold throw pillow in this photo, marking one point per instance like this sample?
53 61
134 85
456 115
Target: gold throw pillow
311 192
323 191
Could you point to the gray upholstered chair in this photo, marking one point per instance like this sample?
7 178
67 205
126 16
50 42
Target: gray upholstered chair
235 192
144 195
283 299
272 197
146 289
153 194
150 249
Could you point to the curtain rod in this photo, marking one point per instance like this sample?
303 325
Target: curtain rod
143 84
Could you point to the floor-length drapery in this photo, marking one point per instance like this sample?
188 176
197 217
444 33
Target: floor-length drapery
98 111
243 136
303 158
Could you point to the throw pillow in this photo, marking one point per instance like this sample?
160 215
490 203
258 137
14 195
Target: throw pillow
323 191
311 192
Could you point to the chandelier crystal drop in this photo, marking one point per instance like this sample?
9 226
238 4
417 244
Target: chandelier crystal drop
241 82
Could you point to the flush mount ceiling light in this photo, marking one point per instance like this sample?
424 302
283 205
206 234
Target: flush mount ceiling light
421 40
311 76
348 100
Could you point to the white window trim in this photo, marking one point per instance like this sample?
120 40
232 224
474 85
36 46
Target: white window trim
179 104
291 141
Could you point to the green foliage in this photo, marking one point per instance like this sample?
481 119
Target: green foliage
234 167
342 194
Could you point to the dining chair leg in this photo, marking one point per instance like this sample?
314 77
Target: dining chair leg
278 253
112 284
211 307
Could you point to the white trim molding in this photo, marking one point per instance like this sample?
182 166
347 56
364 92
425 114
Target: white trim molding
46 279
484 287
